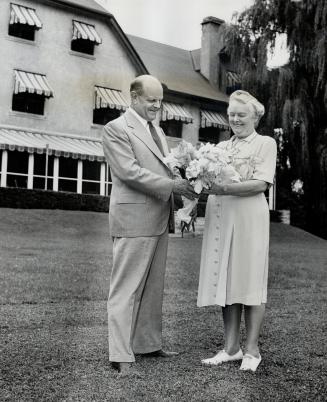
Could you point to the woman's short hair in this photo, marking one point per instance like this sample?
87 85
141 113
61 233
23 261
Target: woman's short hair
246 97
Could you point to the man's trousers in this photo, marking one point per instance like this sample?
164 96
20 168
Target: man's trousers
135 296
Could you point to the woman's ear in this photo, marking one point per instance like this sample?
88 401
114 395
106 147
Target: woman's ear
257 120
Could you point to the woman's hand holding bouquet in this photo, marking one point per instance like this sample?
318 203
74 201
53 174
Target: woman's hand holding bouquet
203 167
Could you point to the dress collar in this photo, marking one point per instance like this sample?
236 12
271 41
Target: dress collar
248 139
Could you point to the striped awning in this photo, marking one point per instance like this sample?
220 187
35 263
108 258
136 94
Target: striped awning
24 15
81 30
213 119
233 79
54 144
173 111
109 98
32 83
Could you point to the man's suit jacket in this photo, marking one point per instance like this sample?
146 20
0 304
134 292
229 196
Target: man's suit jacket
141 182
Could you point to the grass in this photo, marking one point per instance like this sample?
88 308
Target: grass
55 268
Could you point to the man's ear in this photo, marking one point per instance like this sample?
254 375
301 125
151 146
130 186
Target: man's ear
133 95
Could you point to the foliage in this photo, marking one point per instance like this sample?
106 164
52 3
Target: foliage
295 94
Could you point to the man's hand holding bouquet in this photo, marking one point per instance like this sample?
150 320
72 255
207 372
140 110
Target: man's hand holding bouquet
204 166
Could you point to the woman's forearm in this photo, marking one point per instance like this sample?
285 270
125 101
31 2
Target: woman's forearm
243 189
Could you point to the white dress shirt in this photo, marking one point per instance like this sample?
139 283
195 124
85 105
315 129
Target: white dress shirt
141 119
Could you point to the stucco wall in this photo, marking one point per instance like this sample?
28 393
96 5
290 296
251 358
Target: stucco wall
191 130
72 77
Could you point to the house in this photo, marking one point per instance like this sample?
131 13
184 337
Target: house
67 70
193 109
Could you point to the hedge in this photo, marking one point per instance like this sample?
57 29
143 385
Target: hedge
41 199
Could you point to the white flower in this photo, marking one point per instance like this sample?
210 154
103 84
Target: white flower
203 166
297 186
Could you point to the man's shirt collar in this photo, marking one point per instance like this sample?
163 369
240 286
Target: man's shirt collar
143 121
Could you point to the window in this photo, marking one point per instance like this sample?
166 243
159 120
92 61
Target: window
30 92
172 128
108 104
84 38
28 103
49 161
233 82
209 134
91 177
214 127
43 171
68 174
83 46
22 31
104 115
173 117
17 169
23 22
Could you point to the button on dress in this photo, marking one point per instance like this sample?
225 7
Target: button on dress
234 258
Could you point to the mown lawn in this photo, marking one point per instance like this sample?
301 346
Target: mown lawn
55 267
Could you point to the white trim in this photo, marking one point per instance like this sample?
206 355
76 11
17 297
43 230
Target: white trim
4 167
22 40
79 176
55 173
83 55
103 179
30 171
29 115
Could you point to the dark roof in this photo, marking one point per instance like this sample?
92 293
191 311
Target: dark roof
196 54
175 68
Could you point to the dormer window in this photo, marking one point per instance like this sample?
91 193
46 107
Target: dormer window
84 38
23 22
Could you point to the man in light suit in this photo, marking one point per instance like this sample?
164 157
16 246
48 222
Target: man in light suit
140 203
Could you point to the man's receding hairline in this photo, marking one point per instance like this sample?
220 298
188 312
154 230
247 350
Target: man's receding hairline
137 85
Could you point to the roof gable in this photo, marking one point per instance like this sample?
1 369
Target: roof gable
90 5
175 68
93 7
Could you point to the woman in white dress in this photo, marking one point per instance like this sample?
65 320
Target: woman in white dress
234 259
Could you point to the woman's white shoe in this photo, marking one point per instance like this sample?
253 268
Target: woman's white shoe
250 362
222 357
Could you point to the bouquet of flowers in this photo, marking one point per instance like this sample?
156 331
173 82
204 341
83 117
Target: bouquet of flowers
180 156
210 164
203 167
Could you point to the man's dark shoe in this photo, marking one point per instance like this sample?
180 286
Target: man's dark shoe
162 353
126 369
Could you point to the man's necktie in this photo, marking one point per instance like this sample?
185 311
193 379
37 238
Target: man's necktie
155 137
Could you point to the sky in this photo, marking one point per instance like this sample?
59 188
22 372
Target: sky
176 22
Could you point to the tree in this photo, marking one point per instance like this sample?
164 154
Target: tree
295 95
